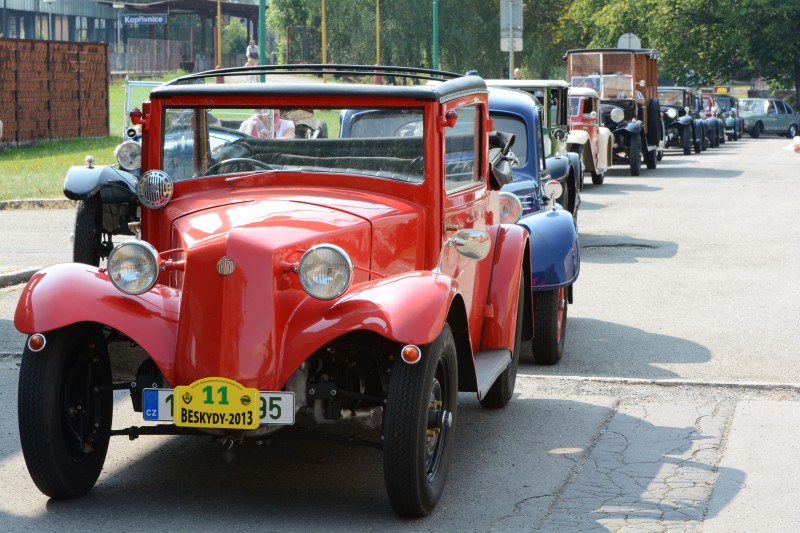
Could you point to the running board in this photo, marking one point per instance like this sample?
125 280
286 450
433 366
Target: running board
489 365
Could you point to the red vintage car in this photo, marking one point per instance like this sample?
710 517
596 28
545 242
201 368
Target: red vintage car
301 276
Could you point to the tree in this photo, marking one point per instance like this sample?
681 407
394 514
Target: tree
234 37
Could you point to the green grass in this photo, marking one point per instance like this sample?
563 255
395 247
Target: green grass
38 171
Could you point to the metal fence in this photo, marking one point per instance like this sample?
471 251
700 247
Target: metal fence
147 57
52 90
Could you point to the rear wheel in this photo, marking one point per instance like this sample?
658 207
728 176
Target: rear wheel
549 326
597 178
503 387
756 130
88 231
651 157
417 430
635 155
65 406
686 139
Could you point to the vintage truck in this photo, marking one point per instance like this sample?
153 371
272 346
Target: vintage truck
627 82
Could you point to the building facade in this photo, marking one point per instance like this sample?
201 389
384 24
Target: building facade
59 20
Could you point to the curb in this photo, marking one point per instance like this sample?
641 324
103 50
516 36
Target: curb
15 278
37 203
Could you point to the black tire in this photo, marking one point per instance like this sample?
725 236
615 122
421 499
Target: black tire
549 326
653 135
756 130
635 155
713 141
721 132
503 387
704 145
88 231
792 132
686 139
651 158
698 140
598 179
65 406
415 464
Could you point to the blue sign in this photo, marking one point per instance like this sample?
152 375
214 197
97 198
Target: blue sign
137 20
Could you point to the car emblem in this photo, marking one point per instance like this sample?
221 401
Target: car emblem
225 266
245 399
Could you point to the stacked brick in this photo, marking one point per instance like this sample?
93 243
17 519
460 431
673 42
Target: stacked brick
52 90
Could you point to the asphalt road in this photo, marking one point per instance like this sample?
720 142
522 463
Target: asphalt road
675 407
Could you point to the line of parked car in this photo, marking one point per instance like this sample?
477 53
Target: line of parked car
407 242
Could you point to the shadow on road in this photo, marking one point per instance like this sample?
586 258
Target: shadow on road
605 356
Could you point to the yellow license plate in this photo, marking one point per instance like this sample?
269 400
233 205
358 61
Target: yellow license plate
217 403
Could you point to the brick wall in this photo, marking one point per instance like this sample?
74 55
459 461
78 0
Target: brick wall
52 90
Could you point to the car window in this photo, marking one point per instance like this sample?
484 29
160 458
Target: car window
381 143
461 149
515 125
575 106
752 106
789 109
779 107
670 98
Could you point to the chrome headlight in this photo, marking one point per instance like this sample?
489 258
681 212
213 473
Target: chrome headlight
129 155
672 112
617 115
133 267
325 271
510 208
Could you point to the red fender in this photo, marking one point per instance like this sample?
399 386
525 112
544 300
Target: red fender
69 293
409 308
507 267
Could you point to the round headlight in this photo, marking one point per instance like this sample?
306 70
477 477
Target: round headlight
154 189
325 271
129 155
133 267
617 115
510 208
672 112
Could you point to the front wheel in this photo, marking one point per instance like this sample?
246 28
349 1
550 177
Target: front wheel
418 432
651 158
635 155
549 326
792 131
598 178
65 405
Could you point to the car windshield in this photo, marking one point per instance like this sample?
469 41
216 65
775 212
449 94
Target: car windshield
608 73
509 124
674 98
752 106
383 143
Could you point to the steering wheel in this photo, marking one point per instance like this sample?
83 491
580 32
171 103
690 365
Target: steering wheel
239 161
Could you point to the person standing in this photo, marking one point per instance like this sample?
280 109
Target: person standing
252 50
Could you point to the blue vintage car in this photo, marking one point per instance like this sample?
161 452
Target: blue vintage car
555 271
555 257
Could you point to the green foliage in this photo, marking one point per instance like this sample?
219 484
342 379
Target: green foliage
234 38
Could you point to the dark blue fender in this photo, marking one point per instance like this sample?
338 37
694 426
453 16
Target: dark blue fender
558 166
698 128
629 128
115 186
685 120
555 255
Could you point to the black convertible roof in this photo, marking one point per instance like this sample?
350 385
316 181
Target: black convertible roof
397 82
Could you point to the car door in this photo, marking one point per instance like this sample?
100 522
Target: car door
783 119
466 206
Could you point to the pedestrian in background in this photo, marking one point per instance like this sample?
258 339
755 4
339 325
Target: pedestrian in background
517 74
252 50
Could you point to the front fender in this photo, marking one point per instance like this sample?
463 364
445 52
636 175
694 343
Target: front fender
555 255
85 182
69 293
558 166
629 128
410 308
684 120
577 137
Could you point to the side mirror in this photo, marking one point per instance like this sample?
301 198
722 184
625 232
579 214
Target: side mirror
472 243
